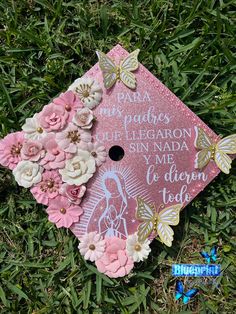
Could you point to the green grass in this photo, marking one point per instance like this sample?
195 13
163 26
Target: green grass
45 45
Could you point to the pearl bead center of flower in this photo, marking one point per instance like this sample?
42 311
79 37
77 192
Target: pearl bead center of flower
49 185
39 130
137 247
15 150
74 136
63 210
68 108
92 247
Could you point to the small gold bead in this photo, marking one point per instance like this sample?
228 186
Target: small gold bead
39 130
63 210
92 247
50 184
137 247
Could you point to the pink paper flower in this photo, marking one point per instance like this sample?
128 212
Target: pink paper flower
62 213
97 151
32 150
115 262
48 188
72 138
55 158
92 246
84 118
74 193
70 101
10 149
53 117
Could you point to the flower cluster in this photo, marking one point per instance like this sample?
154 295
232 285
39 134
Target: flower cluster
113 256
54 155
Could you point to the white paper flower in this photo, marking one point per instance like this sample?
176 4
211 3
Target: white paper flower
92 246
33 129
27 173
89 91
83 118
137 250
97 151
79 169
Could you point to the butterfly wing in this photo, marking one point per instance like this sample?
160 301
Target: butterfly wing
145 213
108 68
225 146
189 294
206 256
128 65
203 142
223 161
179 290
144 230
166 218
202 158
213 255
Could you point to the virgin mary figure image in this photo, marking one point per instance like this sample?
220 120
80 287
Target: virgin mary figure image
115 206
111 222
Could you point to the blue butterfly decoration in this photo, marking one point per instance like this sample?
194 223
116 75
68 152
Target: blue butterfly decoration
179 292
210 257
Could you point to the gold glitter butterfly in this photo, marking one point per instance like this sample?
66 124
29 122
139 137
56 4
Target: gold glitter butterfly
157 222
112 72
215 151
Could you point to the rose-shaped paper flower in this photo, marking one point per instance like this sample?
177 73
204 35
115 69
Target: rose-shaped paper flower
97 151
27 173
55 158
79 169
32 128
62 213
72 138
48 188
92 246
137 250
53 117
74 193
115 262
89 91
32 150
70 101
10 149
84 118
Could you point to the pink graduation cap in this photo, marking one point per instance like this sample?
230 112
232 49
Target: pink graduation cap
149 136
115 158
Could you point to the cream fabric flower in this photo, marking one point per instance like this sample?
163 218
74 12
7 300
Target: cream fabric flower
89 91
79 169
27 173
33 129
137 250
92 246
